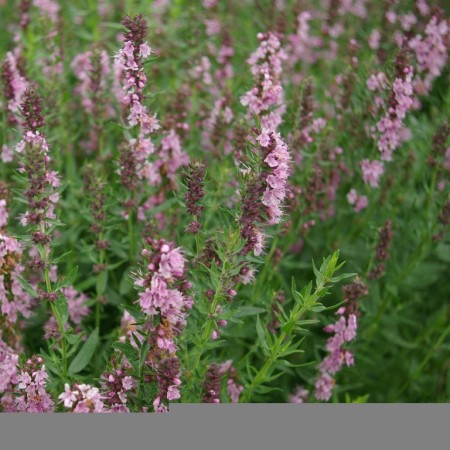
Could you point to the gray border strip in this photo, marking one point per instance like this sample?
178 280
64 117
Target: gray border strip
314 426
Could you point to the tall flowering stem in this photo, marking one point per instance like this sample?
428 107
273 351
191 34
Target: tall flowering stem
194 179
344 331
391 127
95 188
129 65
265 104
265 99
165 301
41 197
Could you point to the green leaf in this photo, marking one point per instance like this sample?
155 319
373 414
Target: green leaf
144 352
61 257
73 338
127 349
84 356
27 286
62 310
134 312
249 310
102 280
262 336
126 283
318 308
68 280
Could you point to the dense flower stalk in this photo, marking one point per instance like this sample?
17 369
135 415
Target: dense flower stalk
116 385
194 179
164 299
431 51
391 127
344 331
14 86
95 188
130 60
9 360
168 375
265 100
265 191
381 251
14 300
92 69
211 385
35 164
277 160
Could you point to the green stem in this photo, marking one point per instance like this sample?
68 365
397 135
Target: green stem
45 257
424 362
131 237
207 331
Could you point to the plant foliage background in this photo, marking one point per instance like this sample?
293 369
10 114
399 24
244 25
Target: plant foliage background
162 264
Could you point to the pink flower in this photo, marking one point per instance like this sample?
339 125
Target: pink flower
324 387
372 171
359 202
300 395
68 397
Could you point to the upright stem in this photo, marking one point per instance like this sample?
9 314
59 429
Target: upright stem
207 331
49 289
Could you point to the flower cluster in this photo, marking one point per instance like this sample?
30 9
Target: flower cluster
95 189
35 164
194 179
170 158
115 384
215 127
267 189
164 289
164 297
49 8
168 375
432 50
381 251
234 388
371 171
359 202
14 299
129 63
344 331
302 46
91 69
33 396
265 100
82 398
277 161
299 396
391 127
8 368
14 86
211 385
